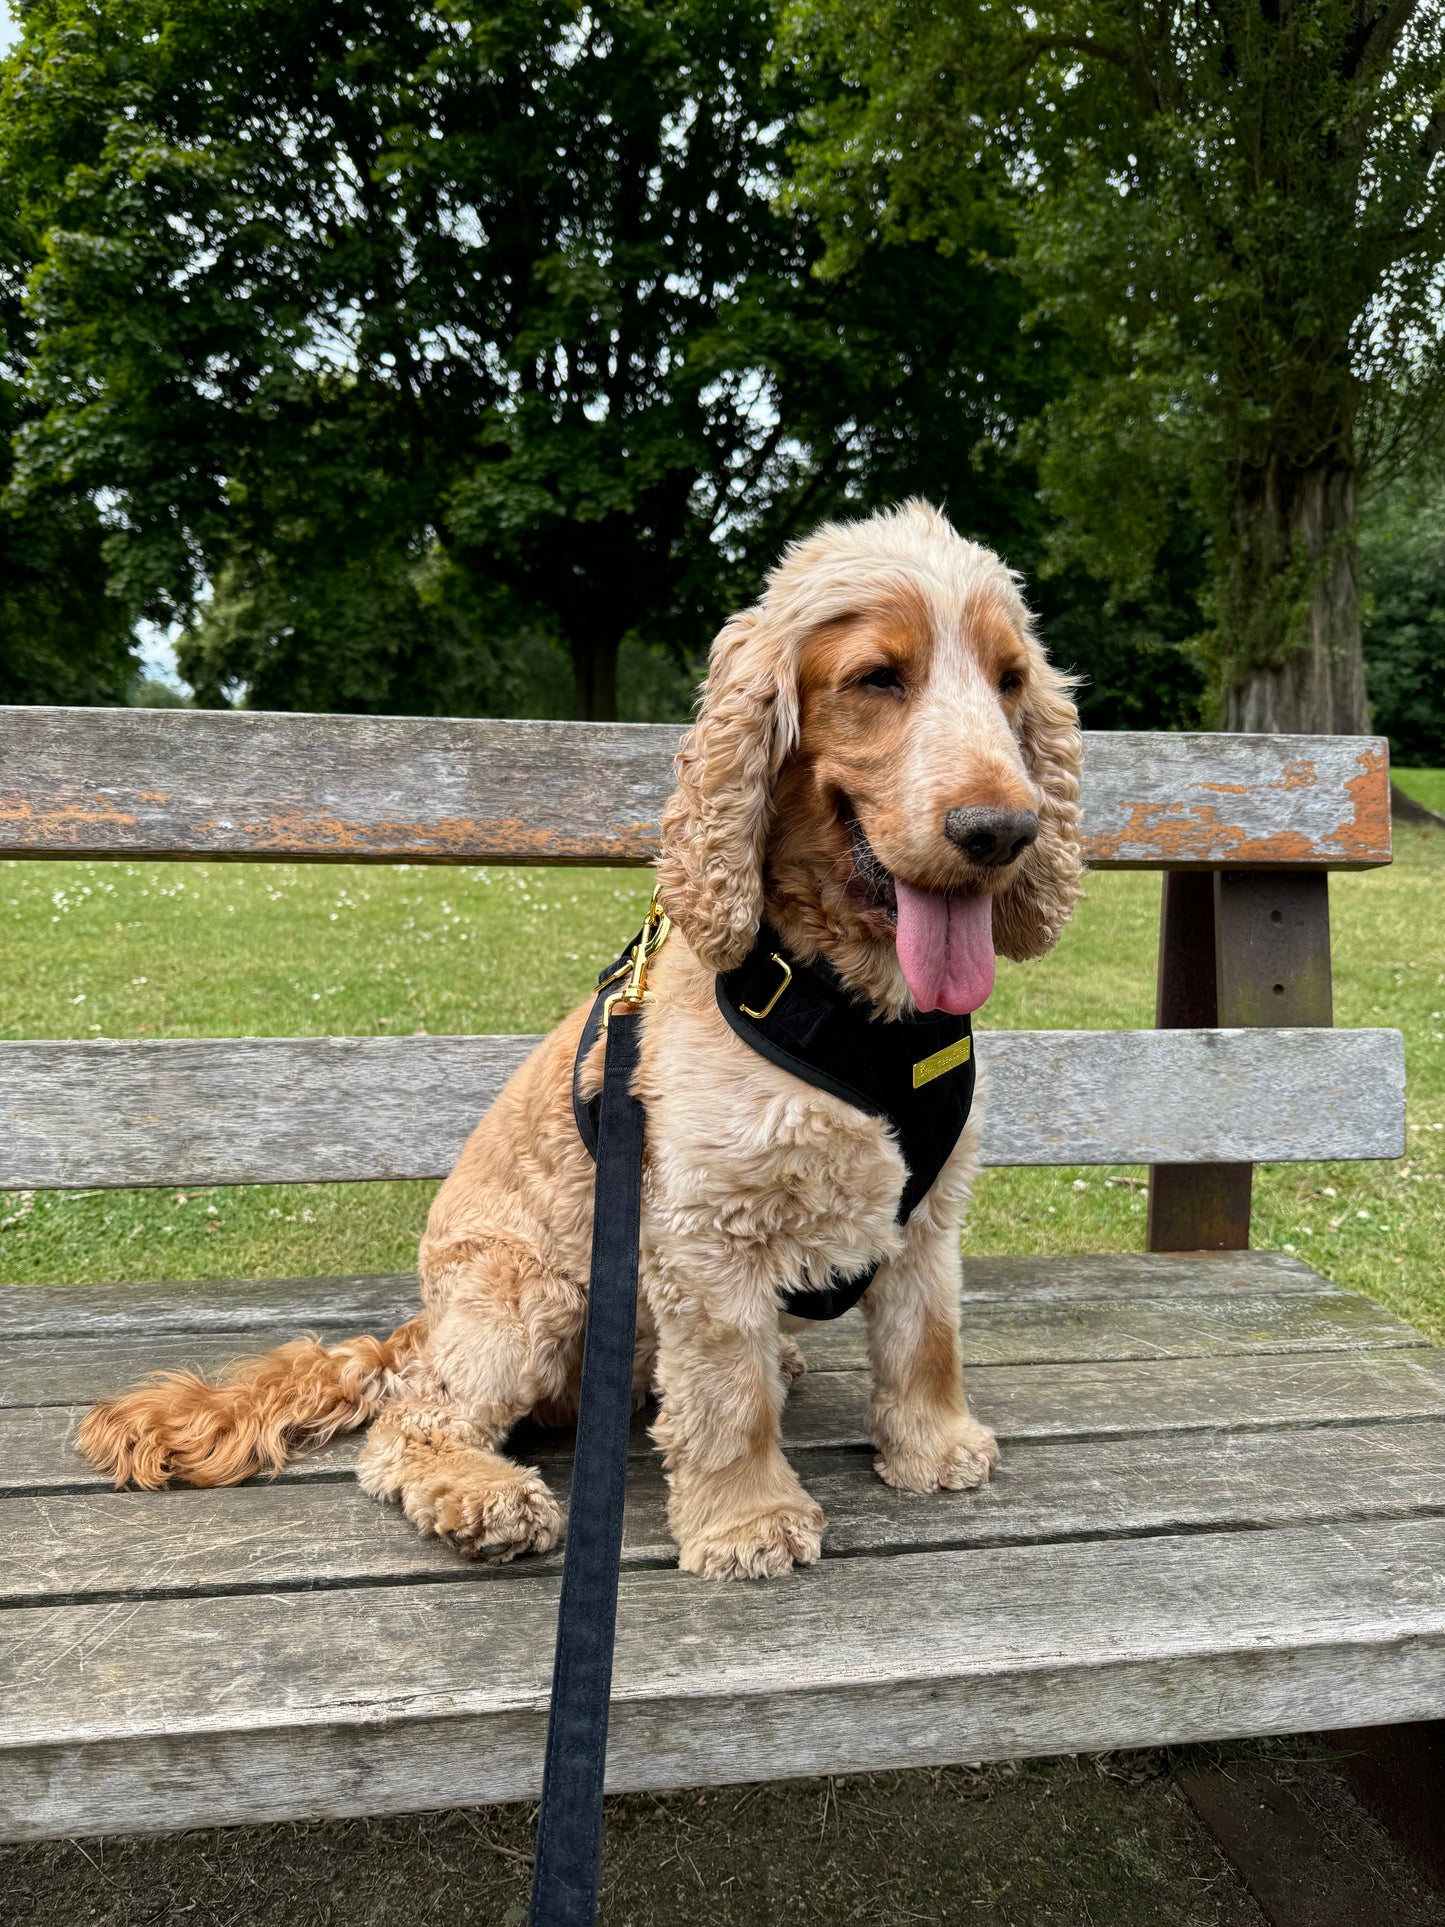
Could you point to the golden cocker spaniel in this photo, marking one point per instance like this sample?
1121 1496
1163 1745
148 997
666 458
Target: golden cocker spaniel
884 767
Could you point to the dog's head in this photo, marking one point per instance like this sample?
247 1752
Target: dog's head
885 765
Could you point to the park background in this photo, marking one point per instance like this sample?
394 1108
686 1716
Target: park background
476 360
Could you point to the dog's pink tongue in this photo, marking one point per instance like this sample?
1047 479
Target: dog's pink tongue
945 945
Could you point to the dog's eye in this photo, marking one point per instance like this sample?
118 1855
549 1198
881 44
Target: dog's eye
884 678
1010 683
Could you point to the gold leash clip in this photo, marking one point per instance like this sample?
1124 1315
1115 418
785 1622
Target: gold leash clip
634 993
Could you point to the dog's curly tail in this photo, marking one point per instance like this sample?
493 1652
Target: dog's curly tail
259 1412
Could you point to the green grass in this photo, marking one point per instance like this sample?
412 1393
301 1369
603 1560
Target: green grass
1427 786
141 949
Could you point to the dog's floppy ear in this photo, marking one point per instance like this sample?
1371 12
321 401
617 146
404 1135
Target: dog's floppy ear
716 822
1029 916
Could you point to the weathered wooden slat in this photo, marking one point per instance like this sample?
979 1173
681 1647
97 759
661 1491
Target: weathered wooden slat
374 1303
177 1713
1192 800
134 1545
1119 1328
205 783
1176 1096
381 1299
346 789
244 1110
1129 1398
829 1409
58 1371
321 1109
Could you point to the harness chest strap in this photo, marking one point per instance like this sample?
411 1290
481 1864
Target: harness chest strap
917 1073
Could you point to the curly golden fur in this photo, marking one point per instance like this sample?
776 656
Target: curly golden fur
262 1412
888 676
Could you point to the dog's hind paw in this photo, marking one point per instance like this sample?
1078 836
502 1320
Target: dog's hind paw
762 1548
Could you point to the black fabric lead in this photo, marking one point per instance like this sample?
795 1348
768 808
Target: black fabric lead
917 1073
569 1826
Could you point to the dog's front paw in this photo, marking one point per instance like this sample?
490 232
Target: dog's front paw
790 1357
765 1547
493 1518
964 1456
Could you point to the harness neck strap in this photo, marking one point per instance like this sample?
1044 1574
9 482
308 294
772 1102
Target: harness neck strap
916 1073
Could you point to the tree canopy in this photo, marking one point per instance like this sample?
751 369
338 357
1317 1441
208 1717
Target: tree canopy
399 343
1236 211
63 637
1402 547
390 352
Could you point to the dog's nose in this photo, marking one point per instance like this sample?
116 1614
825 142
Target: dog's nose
991 838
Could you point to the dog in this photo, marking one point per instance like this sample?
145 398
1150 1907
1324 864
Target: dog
884 766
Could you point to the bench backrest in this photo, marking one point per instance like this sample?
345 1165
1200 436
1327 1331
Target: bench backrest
1246 828
215 784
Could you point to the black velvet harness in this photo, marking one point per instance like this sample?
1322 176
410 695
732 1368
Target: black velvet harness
917 1073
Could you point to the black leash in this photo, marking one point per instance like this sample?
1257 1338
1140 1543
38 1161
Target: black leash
918 1074
569 1826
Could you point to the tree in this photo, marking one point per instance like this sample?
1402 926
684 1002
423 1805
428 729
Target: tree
351 306
403 347
399 343
1236 209
1402 552
63 638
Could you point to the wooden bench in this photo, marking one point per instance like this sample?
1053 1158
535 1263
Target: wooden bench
1220 1512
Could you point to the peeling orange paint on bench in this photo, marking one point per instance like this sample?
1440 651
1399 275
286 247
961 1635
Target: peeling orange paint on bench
458 839
1178 834
73 829
1297 776
1368 830
1184 832
52 826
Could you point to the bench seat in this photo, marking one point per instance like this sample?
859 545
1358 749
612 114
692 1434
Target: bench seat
1222 1512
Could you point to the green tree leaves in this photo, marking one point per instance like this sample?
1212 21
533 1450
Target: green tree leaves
1236 215
1402 545
390 352
63 637
402 349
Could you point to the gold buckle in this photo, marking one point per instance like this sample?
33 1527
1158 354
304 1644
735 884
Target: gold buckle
787 970
634 993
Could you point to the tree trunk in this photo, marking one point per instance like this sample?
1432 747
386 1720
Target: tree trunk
1290 604
594 677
